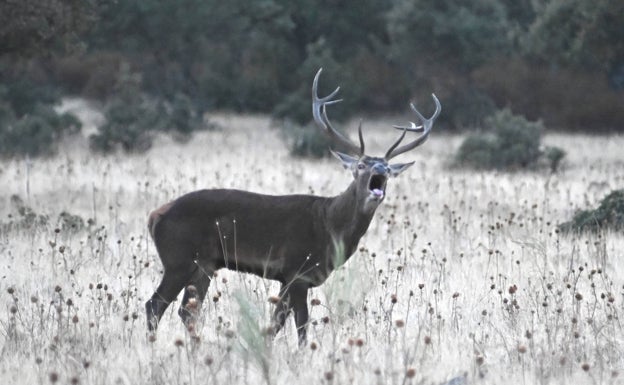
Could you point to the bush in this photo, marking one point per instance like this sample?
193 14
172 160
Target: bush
128 126
132 119
305 141
35 134
511 143
609 214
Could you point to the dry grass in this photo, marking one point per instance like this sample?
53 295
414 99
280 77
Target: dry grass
461 275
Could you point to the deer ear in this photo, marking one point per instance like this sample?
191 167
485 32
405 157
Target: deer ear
347 160
396 169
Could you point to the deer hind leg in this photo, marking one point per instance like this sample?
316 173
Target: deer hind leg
194 295
300 308
171 284
293 297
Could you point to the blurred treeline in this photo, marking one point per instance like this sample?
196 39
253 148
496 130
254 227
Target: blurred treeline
561 61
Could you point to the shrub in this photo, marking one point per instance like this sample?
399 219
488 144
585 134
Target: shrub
554 155
34 134
510 142
132 119
609 214
305 141
128 126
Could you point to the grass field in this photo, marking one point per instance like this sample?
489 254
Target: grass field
461 278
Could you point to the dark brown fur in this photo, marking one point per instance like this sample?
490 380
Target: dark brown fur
291 239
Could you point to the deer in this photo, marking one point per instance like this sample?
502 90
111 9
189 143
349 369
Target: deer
293 239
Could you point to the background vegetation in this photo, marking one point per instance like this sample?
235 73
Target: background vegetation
463 277
558 61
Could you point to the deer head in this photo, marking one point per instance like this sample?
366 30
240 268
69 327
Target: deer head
370 173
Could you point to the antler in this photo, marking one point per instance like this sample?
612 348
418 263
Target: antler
425 129
319 111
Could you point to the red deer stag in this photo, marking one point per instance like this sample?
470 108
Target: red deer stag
292 238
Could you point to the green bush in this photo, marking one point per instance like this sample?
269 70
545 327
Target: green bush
132 119
510 143
305 141
128 126
36 133
554 155
609 214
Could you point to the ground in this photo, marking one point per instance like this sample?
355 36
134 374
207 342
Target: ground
462 277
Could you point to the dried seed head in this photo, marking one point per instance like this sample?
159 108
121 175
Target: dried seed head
522 349
329 376
585 367
274 299
75 319
427 340
313 346
178 343
399 323
410 373
359 342
393 298
480 360
54 377
315 302
208 360
192 304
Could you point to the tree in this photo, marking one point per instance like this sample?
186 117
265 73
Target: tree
582 33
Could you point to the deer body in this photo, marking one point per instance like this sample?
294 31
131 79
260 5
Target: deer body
297 240
287 238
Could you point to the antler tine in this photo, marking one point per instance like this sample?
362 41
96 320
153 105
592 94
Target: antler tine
319 112
396 143
361 137
427 124
411 128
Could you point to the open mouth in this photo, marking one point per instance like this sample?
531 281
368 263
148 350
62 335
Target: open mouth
377 186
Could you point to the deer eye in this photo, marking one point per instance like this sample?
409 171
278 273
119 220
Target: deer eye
361 166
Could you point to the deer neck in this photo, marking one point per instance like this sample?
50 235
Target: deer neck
347 219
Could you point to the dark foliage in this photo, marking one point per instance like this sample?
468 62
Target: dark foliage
510 143
28 123
608 215
556 61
